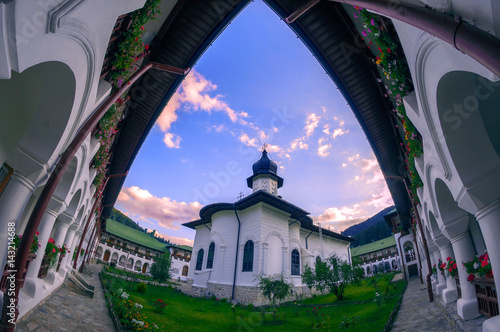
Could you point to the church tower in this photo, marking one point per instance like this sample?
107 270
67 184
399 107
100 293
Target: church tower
265 176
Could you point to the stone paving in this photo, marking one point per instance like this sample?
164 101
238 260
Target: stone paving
418 314
67 310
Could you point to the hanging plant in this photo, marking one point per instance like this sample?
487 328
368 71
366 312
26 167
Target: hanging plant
394 69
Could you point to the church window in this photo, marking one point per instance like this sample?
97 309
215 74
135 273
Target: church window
295 262
210 257
199 260
248 256
185 270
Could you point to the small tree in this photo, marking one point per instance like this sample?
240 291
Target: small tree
274 287
334 274
160 270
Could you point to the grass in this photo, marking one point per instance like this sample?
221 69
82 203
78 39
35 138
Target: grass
184 313
116 270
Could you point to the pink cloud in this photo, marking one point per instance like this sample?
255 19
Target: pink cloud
166 212
176 240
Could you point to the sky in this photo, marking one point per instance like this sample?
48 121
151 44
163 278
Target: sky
256 84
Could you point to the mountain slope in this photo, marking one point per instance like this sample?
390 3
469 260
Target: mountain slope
372 229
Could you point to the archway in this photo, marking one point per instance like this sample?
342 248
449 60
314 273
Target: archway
130 263
122 261
409 251
185 270
106 256
137 266
114 258
145 268
98 252
36 120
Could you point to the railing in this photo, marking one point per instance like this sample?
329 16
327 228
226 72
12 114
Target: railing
486 296
44 267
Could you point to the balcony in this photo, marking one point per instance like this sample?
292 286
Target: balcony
486 294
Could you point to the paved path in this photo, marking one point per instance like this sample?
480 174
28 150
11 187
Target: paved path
66 310
416 314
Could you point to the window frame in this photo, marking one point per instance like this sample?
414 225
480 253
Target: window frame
295 266
248 253
210 256
199 260
5 180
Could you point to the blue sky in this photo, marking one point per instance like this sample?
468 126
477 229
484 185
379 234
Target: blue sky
257 84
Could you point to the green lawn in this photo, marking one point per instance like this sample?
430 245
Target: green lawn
184 313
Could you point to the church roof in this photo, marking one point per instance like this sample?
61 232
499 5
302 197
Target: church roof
374 246
133 235
265 166
259 196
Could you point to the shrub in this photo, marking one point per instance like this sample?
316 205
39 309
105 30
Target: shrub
224 300
160 270
142 288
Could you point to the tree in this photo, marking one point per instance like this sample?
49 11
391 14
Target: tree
334 274
274 287
160 270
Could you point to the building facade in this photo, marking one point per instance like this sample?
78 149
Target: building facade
380 256
261 234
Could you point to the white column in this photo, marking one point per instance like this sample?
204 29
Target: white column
284 260
76 239
450 292
12 203
489 221
45 228
69 239
464 251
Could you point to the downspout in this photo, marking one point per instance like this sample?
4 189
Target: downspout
237 246
53 181
402 256
476 43
307 237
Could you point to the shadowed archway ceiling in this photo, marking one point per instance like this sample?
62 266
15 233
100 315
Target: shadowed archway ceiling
326 30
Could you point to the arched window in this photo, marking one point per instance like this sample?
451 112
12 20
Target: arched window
248 257
199 260
210 258
295 262
185 270
318 259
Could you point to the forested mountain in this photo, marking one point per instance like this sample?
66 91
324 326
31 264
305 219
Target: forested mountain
372 229
116 215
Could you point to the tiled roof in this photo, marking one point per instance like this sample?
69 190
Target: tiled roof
374 246
183 247
133 235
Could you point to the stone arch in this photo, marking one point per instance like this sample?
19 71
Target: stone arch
137 265
467 107
122 261
277 234
106 255
98 252
145 268
67 180
38 123
114 257
130 263
74 203
217 238
453 220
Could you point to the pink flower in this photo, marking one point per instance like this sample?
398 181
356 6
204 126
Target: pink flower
53 249
372 21
364 33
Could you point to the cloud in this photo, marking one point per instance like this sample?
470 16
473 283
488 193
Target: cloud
166 212
339 132
217 129
298 143
194 94
247 141
312 122
323 148
172 140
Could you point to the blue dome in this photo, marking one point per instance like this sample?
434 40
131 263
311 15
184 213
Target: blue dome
265 165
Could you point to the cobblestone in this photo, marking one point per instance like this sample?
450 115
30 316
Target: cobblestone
417 314
67 310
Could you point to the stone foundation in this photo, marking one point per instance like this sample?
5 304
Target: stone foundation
245 294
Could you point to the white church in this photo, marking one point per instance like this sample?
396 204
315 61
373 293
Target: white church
258 234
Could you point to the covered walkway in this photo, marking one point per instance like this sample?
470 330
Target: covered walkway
67 310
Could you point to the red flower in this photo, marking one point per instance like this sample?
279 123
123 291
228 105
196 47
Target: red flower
450 270
146 47
389 50
53 249
37 233
449 258
484 263
136 38
380 50
455 266
481 257
470 277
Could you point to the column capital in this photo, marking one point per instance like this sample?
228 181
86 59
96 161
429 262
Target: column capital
488 209
460 237
24 181
65 219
